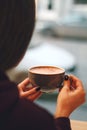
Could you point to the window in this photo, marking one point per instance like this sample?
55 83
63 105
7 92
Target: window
80 1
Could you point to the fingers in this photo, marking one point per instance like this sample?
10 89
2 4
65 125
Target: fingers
30 91
76 82
27 90
24 83
79 89
34 96
66 83
72 82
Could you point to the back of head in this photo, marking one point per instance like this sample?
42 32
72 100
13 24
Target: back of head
17 19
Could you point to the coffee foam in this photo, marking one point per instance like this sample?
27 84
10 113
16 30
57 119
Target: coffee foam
46 70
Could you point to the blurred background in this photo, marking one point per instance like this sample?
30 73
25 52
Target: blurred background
60 39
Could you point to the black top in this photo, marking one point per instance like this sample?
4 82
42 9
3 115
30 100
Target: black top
22 114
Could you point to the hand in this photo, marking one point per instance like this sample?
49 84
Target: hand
26 90
71 96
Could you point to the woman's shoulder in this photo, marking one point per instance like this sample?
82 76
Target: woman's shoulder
34 109
26 114
38 117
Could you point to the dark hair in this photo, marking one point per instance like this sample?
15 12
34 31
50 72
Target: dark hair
17 19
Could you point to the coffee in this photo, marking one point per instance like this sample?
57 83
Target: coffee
46 70
48 78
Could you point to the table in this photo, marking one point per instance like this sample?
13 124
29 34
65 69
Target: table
78 125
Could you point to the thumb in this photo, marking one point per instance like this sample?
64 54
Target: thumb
67 82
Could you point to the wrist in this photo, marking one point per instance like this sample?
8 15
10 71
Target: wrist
61 113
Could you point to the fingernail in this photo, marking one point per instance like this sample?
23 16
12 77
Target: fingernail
38 88
66 77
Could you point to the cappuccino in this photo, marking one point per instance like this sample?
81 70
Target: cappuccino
48 78
46 70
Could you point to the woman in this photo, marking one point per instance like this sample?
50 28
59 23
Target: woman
17 110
